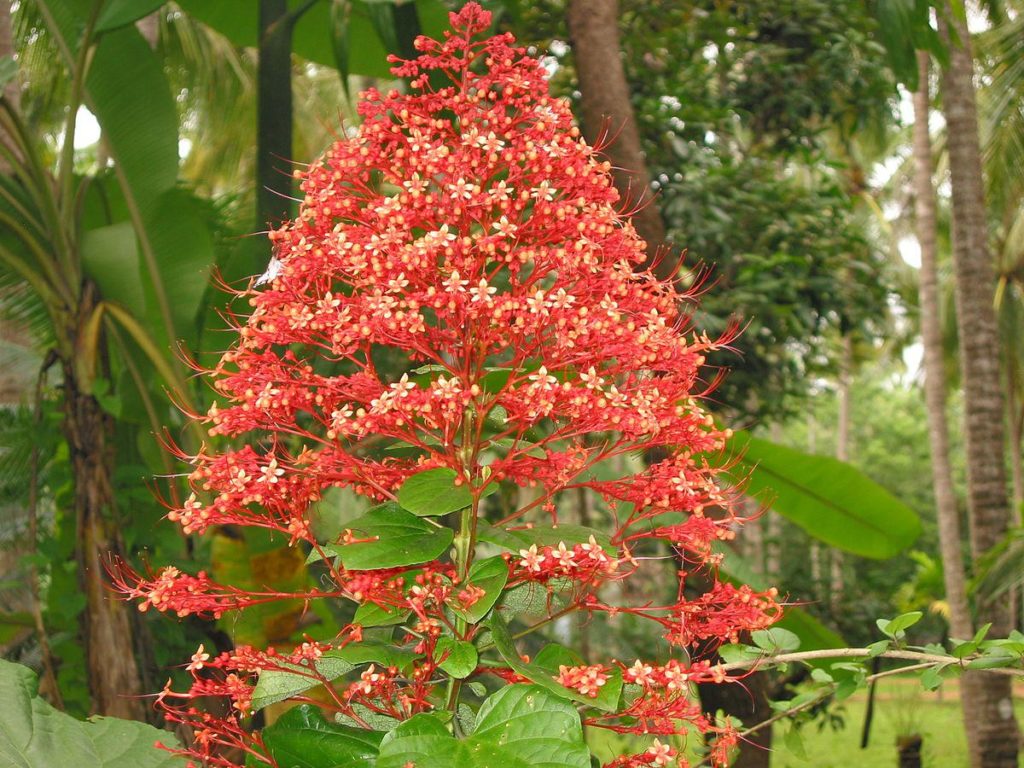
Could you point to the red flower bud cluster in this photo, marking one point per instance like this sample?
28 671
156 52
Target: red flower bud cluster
459 291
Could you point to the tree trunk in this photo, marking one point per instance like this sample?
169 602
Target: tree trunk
114 680
950 543
836 582
274 115
608 118
995 731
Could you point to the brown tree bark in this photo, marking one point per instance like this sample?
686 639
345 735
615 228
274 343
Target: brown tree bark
991 723
608 118
114 680
947 516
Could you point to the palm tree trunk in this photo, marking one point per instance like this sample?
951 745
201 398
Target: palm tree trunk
995 741
114 680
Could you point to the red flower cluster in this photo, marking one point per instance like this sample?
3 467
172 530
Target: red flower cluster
468 231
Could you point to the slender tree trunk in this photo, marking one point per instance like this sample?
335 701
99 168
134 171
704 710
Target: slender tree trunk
947 516
836 582
114 679
995 742
274 115
608 118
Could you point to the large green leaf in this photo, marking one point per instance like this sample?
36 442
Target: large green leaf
399 538
35 735
831 500
520 726
433 492
302 738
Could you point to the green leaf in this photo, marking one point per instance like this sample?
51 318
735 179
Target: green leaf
738 652
831 500
120 13
277 685
607 700
877 649
490 575
896 628
401 538
110 256
460 657
434 492
775 640
302 738
931 678
520 726
35 735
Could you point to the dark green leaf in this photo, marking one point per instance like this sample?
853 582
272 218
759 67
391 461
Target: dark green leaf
302 738
607 700
373 615
434 492
400 538
520 726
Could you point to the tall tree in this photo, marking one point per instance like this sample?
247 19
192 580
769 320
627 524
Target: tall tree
993 728
934 365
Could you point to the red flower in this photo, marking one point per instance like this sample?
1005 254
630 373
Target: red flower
468 229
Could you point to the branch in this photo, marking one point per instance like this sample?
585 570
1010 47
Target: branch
929 659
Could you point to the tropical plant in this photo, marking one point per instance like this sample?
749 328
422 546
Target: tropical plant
112 268
438 237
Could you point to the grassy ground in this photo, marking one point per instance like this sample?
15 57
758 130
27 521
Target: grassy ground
901 707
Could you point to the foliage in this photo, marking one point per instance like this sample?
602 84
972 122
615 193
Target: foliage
35 735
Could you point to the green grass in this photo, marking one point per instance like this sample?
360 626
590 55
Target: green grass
901 707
